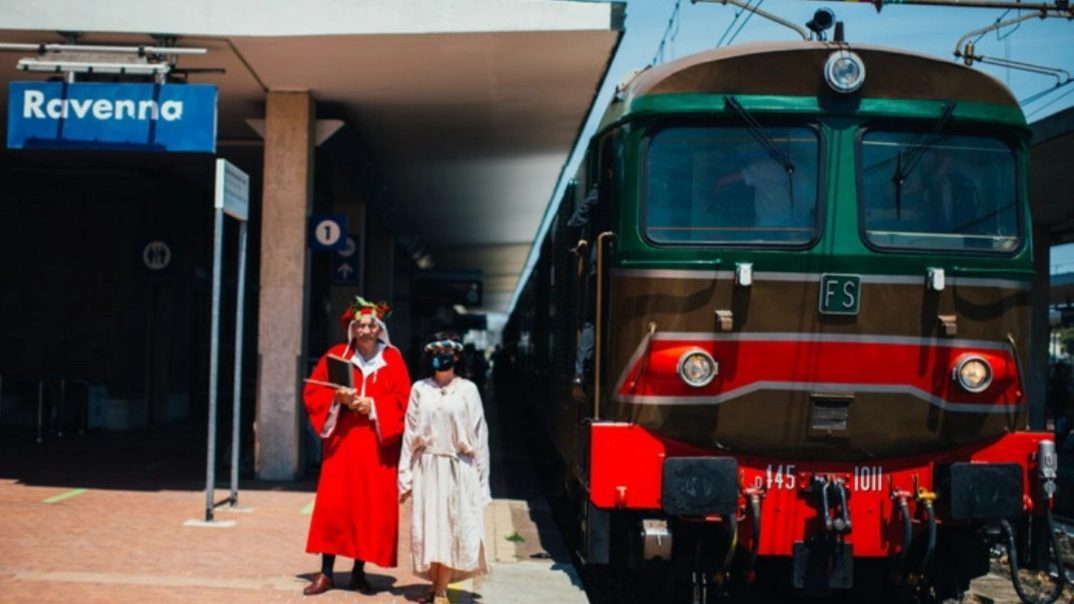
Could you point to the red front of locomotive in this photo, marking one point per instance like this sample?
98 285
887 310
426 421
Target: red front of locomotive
867 506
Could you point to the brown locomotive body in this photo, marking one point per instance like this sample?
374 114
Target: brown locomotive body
817 396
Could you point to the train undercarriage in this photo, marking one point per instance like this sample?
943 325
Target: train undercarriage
712 529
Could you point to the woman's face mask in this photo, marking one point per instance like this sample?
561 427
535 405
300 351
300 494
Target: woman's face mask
443 361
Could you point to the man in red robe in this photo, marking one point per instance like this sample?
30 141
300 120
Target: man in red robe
356 513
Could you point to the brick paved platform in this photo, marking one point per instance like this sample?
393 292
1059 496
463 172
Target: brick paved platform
118 517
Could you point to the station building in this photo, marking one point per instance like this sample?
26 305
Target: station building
403 151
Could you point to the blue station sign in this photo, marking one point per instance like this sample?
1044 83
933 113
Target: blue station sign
129 117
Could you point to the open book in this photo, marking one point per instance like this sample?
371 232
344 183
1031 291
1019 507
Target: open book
340 371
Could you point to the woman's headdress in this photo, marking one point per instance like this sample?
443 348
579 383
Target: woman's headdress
444 344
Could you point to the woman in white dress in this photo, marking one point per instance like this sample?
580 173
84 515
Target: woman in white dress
445 466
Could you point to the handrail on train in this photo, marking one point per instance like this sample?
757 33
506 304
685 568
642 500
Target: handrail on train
598 319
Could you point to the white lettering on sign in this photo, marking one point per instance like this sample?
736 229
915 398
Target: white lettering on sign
779 477
868 478
849 293
829 291
783 477
36 106
327 232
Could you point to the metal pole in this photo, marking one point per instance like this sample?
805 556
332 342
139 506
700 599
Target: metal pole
130 50
63 395
214 357
1043 7
147 357
598 319
236 400
83 417
40 405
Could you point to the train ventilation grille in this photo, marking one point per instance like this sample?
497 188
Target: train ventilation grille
829 414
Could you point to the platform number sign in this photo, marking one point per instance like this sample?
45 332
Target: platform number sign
327 231
839 294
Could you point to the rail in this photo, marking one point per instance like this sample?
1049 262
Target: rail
1064 528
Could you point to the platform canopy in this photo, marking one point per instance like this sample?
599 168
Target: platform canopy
471 108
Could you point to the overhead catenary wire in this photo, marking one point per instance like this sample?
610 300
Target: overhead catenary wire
731 25
741 25
670 33
1049 103
964 49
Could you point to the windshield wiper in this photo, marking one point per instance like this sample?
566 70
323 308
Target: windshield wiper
758 133
755 130
906 160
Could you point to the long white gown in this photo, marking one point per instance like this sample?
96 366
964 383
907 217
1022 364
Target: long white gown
445 460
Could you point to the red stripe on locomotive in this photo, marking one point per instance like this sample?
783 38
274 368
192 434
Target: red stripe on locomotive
744 363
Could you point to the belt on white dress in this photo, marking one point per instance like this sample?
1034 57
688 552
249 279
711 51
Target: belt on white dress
453 496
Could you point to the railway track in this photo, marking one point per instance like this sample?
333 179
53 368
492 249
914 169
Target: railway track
1064 526
996 587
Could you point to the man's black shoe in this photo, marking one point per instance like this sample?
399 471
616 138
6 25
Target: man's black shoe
360 584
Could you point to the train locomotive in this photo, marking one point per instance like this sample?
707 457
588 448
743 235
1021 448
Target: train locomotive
807 277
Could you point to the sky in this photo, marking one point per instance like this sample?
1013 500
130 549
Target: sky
927 29
658 31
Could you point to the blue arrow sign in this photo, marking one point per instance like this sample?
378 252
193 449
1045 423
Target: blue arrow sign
345 263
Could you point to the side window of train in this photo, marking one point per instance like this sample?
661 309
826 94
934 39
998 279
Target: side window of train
951 193
719 185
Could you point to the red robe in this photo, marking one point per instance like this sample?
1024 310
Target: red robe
356 513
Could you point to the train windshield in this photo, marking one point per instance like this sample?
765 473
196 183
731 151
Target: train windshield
715 185
953 193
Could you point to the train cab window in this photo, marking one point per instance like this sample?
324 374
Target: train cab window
956 193
713 185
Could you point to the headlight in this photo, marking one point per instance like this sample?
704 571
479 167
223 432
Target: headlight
697 368
844 71
973 373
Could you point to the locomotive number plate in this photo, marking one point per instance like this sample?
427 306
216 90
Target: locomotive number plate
839 294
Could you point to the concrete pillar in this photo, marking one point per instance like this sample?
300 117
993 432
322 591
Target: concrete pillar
284 285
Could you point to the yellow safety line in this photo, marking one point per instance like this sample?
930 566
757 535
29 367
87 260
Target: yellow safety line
66 495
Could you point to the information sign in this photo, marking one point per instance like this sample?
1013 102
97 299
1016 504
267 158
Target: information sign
139 117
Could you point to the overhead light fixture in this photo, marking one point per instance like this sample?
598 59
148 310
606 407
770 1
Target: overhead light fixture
141 51
424 261
70 59
53 66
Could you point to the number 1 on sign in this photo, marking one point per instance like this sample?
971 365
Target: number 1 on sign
327 232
